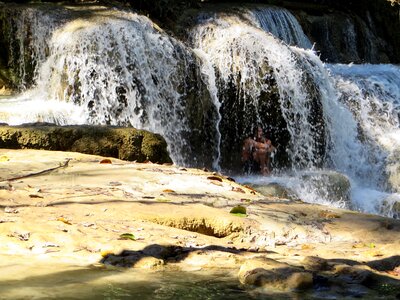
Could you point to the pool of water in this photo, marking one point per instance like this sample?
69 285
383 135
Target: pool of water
99 282
43 280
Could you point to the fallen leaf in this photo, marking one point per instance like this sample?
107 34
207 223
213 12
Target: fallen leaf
105 253
35 196
214 178
162 200
250 188
61 219
4 158
238 210
168 191
394 272
239 215
127 236
106 161
238 189
359 245
48 244
88 224
6 221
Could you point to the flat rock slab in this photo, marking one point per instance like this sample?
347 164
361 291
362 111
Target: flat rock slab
68 208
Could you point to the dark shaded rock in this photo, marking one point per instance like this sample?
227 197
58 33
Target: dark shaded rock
314 263
267 272
123 143
351 274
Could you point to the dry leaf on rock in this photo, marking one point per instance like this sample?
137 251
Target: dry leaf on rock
62 219
395 271
168 191
214 178
106 161
35 196
238 189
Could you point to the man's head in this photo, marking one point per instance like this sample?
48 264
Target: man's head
259 132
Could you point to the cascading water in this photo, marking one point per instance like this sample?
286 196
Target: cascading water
282 24
252 60
28 31
242 56
372 93
115 67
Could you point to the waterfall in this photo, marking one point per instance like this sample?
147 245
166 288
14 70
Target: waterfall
27 32
116 68
253 60
282 24
206 94
372 93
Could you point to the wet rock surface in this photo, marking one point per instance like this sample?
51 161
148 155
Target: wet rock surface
146 217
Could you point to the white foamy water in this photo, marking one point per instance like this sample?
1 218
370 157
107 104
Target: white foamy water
244 55
373 94
113 68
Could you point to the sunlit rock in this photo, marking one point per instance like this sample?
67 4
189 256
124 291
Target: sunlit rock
124 143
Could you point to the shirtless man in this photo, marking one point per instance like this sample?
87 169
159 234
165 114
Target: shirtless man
259 150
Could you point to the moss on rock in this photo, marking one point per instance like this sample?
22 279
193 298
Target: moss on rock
123 143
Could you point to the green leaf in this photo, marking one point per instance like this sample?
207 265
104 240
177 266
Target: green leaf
127 236
238 210
162 200
239 215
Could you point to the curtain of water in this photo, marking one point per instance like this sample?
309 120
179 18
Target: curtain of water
116 68
282 24
372 93
28 31
247 57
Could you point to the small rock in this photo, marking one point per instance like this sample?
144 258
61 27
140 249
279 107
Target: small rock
351 274
149 262
314 263
11 210
265 272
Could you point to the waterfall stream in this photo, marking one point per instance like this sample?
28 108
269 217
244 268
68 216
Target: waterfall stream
205 94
